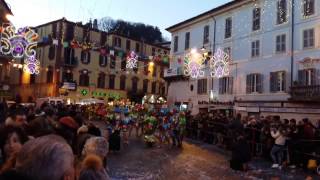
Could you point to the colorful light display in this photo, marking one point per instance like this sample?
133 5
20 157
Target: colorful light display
132 60
21 44
193 64
219 64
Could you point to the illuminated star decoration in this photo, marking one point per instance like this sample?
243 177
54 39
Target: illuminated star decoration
132 60
193 64
219 64
21 44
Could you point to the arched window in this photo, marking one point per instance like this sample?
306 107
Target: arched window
111 81
101 80
85 57
153 87
84 78
123 82
134 87
67 76
50 75
103 60
145 85
52 52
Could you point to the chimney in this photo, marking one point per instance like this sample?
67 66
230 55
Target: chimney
95 24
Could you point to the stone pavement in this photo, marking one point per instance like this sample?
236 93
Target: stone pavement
194 161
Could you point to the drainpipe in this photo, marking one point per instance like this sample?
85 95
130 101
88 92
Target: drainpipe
292 39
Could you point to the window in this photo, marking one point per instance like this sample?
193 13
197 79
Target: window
278 81
134 84
153 51
85 57
111 81
128 45
226 85
112 62
254 83
50 75
308 7
256 16
281 43
308 77
153 87
206 30
123 82
228 28
255 48
103 60
137 47
145 85
84 79
162 89
101 80
32 78
123 64
67 76
69 58
202 86
187 41
227 50
175 44
146 68
308 38
282 11
117 42
52 51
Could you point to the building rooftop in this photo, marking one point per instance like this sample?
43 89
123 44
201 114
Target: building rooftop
207 13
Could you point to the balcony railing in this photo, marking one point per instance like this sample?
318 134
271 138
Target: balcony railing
305 93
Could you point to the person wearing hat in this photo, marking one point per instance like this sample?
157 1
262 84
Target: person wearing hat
68 130
92 169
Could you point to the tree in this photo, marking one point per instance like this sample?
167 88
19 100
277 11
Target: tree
138 31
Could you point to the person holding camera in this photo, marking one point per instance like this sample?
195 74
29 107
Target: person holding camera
278 147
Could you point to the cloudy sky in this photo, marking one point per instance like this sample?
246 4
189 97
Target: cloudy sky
161 13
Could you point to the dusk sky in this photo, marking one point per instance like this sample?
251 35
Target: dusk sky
161 13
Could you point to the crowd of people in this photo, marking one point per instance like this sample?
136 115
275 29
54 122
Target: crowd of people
55 142
288 143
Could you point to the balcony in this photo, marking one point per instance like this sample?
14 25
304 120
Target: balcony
305 93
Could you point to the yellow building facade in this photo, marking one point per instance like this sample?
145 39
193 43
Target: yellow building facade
78 62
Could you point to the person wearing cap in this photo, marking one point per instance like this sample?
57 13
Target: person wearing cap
68 130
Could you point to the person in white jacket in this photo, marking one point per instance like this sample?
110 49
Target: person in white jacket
278 147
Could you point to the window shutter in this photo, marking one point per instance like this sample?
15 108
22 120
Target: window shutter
230 89
313 77
220 86
284 82
198 89
273 81
259 83
248 82
317 78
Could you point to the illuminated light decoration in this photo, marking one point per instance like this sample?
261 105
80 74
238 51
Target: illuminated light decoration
21 44
219 64
132 60
193 64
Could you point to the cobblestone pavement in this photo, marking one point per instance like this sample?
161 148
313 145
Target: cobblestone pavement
194 161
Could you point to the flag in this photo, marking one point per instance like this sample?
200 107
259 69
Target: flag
55 42
112 52
103 51
65 44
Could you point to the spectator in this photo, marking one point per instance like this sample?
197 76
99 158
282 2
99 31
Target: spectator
11 141
93 169
48 157
278 147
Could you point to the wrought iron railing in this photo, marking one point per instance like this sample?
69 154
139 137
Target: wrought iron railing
305 93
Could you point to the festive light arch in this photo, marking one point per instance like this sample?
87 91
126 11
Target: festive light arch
132 60
21 44
193 64
219 64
